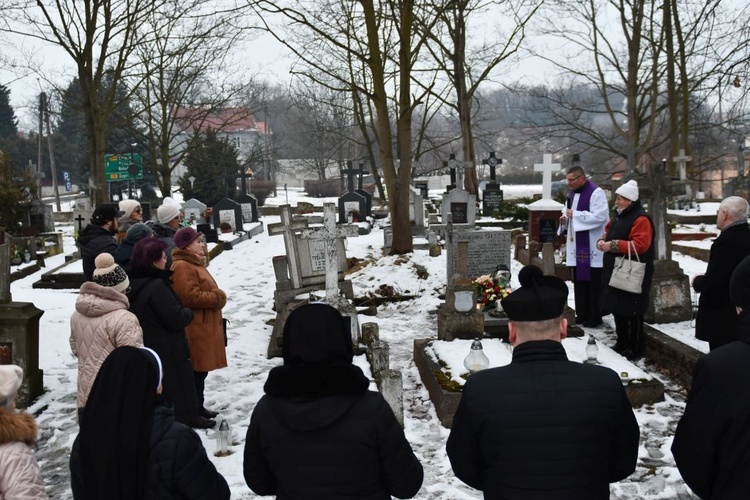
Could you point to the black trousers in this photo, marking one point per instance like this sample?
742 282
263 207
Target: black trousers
630 332
587 296
200 385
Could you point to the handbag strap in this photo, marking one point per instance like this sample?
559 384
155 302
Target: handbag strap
630 242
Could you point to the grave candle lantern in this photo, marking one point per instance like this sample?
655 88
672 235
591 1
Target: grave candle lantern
476 360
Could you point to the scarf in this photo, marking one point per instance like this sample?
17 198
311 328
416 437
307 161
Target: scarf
583 245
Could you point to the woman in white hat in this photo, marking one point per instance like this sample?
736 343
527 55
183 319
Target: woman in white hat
630 227
19 473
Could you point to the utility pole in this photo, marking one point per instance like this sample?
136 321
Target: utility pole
51 152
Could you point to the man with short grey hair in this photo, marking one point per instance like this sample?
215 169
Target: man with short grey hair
716 322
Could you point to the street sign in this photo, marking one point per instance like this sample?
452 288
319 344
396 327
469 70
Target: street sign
68 185
123 167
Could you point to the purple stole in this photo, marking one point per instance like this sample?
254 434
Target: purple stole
583 245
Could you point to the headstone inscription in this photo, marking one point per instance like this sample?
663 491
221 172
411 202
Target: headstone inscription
193 210
352 205
492 196
485 250
249 204
229 211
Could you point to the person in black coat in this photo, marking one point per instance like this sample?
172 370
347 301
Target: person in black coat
716 322
98 237
124 253
712 443
163 319
318 433
631 228
130 447
542 427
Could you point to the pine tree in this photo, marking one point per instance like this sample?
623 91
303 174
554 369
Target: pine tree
8 121
213 162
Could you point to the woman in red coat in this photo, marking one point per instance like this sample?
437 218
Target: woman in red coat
197 290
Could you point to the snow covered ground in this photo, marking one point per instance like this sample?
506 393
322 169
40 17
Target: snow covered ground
246 275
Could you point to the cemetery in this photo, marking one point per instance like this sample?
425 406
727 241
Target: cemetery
414 344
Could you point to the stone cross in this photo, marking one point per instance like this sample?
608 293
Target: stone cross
547 167
245 174
349 172
492 161
79 220
288 227
329 233
362 172
681 161
451 166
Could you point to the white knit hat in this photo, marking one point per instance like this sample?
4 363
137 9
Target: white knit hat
11 377
167 211
128 206
628 190
107 273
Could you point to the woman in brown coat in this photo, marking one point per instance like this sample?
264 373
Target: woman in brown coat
197 290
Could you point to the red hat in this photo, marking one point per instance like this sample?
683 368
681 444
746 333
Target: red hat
185 236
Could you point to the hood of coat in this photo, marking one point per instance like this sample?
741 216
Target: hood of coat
17 427
188 256
310 414
96 300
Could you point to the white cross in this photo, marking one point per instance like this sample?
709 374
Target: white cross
681 161
288 227
329 233
547 167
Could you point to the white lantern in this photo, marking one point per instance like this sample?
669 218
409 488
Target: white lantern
476 360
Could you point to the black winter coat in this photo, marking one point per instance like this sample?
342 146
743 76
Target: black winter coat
613 300
336 447
163 320
94 240
543 428
178 467
166 234
124 254
717 319
712 444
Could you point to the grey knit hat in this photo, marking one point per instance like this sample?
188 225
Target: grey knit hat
138 231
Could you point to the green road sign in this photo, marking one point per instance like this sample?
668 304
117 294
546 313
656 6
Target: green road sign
123 167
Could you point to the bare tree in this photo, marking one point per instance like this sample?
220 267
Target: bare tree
325 36
182 70
468 65
100 36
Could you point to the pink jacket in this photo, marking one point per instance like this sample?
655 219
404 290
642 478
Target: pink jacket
19 473
100 323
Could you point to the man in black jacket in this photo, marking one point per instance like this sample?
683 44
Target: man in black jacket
716 322
98 237
542 427
712 443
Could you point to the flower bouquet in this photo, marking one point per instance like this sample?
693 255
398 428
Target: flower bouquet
490 291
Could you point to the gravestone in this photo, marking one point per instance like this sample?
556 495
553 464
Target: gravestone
39 217
212 236
492 195
19 332
485 251
229 211
249 204
193 210
459 202
423 187
416 212
545 213
450 164
351 204
81 219
363 192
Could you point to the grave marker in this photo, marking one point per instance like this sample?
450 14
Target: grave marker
351 203
547 167
485 250
363 192
228 211
249 204
492 195
459 202
193 210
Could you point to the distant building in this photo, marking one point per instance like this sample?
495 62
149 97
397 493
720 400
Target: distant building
249 135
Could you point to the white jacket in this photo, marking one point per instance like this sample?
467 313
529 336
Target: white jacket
100 323
20 477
